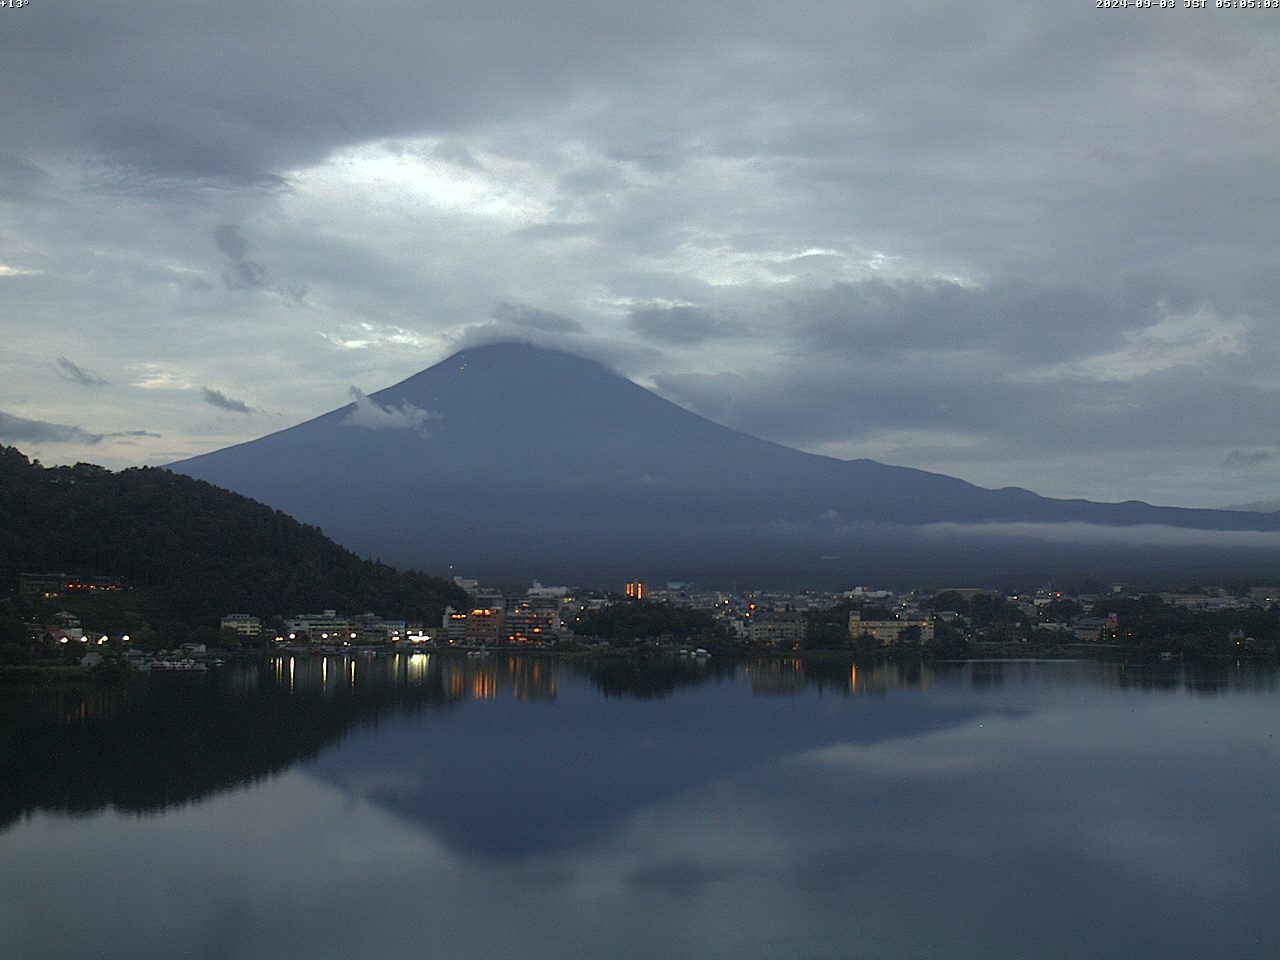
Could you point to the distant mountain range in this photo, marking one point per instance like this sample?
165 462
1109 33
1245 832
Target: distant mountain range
1261 506
518 461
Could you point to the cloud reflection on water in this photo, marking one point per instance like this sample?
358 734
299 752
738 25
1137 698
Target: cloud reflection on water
1003 811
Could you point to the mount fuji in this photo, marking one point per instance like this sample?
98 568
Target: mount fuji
515 461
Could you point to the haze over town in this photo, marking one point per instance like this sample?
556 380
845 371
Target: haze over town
1015 245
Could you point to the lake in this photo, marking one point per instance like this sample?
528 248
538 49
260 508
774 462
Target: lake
512 807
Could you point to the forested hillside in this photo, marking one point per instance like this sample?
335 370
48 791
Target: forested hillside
189 551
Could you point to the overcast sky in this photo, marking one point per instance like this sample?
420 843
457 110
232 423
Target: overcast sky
1023 244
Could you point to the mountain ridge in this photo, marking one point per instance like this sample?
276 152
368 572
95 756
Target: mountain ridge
190 552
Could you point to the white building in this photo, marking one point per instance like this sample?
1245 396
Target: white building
888 632
242 624
320 626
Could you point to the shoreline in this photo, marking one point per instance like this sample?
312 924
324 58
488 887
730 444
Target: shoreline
51 674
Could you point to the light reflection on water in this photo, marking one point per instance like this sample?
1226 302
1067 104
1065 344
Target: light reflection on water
515 807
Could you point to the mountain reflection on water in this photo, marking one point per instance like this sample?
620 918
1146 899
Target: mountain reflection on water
508 807
164 741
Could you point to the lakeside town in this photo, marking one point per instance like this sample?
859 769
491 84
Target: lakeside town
1101 620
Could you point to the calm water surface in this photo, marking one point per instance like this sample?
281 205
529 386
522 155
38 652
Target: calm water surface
401 807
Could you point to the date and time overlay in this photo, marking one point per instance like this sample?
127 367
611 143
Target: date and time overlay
1187 4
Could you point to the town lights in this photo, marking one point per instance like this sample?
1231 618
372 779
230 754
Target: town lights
125 638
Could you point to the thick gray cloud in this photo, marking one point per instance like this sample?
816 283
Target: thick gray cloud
230 242
241 273
21 430
528 317
678 324
77 374
1025 245
216 398
1247 459
1019 321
